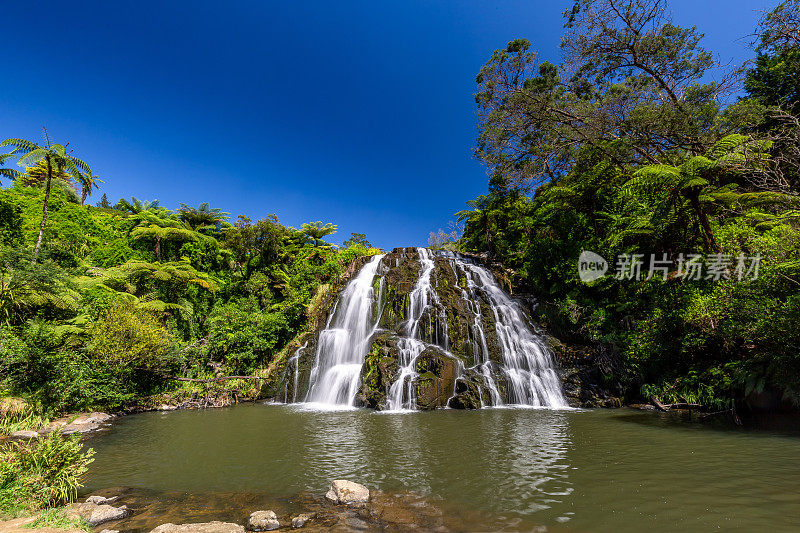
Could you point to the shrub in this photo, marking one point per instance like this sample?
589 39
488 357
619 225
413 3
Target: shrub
243 336
36 475
126 337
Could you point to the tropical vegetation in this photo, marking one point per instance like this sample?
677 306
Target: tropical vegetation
640 144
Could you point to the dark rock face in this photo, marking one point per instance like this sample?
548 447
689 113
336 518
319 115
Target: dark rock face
583 378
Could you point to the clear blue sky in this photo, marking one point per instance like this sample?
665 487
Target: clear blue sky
357 113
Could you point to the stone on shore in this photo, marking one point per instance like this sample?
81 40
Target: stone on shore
347 492
204 527
95 514
24 435
263 521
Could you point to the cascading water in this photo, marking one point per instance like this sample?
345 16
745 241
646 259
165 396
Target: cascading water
401 393
527 364
342 345
511 365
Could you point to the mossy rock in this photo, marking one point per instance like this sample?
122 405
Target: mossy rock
437 376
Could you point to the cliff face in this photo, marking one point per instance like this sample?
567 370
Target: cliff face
443 334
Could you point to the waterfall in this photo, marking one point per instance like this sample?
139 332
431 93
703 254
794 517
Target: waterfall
401 395
343 344
294 360
511 364
527 362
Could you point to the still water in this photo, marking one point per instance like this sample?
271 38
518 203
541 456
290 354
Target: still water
588 470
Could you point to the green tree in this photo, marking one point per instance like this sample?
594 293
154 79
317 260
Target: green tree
630 85
135 206
202 217
104 203
88 182
57 159
356 239
317 230
9 173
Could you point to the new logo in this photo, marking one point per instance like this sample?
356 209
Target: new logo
591 266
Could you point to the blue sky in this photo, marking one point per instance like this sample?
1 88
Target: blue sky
356 113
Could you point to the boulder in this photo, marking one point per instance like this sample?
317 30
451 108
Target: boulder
263 521
204 527
110 531
300 520
24 435
347 492
13 407
96 514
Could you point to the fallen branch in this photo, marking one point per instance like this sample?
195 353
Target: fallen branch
680 405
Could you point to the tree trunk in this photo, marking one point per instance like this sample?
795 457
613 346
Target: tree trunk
158 248
84 191
44 209
708 235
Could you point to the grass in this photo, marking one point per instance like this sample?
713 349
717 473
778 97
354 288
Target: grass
29 422
57 518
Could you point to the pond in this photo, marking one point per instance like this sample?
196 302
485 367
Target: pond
568 470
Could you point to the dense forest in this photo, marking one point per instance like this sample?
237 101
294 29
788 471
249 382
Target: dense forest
102 305
639 144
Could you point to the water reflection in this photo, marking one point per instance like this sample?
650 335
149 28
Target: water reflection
525 467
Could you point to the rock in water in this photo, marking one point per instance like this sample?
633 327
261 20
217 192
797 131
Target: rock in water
347 492
99 500
205 527
95 514
300 520
263 521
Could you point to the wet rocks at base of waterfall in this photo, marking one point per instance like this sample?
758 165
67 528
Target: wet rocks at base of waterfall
437 378
347 492
263 521
470 392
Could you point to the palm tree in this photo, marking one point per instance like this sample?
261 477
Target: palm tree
9 173
57 159
316 231
479 216
136 206
702 185
159 226
201 217
88 181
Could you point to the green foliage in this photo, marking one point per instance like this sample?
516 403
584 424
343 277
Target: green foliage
243 336
130 340
355 239
37 475
641 160
317 230
10 223
27 287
